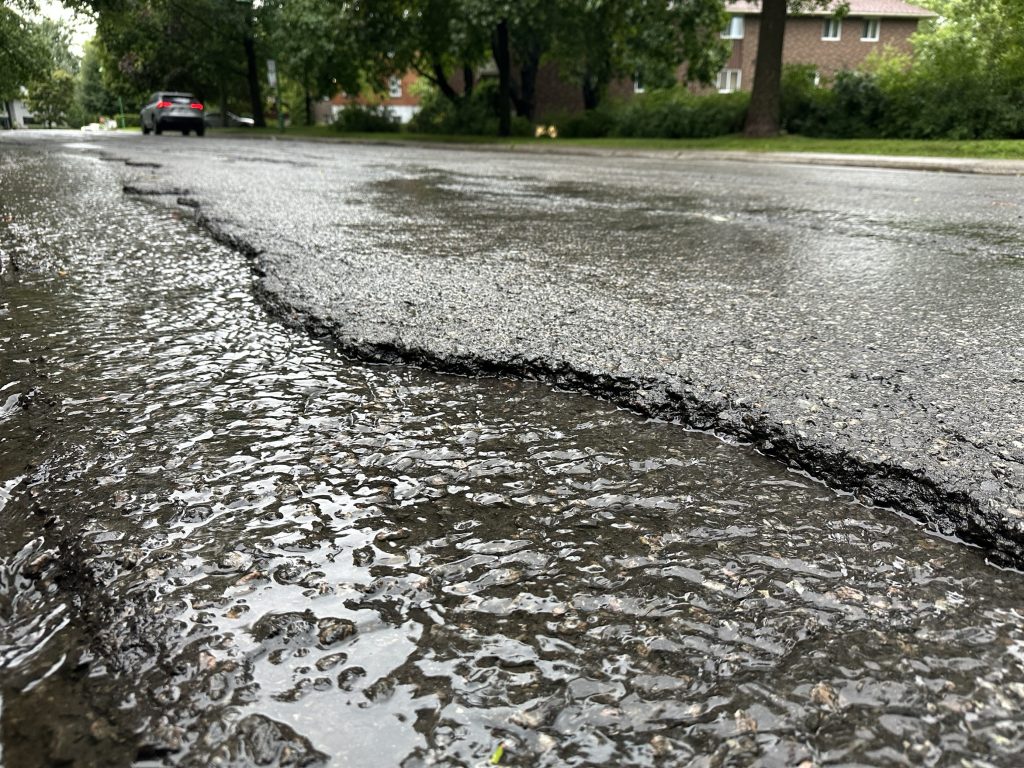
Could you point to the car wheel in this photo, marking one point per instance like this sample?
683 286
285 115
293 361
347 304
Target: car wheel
200 131
145 130
185 132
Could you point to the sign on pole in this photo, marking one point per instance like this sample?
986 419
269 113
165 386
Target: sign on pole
271 72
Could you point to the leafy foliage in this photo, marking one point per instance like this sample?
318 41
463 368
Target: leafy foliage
357 118
677 113
673 113
599 40
475 115
51 98
25 49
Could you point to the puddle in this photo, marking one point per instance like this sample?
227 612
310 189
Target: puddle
223 543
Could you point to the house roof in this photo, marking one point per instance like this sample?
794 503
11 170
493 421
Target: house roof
882 8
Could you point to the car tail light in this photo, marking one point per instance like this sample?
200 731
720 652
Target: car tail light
163 104
196 105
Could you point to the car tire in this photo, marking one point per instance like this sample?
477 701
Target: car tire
145 130
200 131
185 132
157 128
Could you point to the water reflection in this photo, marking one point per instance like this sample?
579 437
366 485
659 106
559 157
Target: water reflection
252 551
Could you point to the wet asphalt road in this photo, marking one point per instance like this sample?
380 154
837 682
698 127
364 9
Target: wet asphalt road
863 324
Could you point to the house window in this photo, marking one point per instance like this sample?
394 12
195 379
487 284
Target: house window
638 82
734 29
395 87
728 80
870 31
832 29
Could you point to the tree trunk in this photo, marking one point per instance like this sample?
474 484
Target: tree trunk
441 81
255 98
309 105
591 92
526 96
502 59
765 101
467 80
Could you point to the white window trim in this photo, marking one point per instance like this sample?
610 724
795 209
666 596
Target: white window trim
878 30
839 29
735 29
395 87
728 79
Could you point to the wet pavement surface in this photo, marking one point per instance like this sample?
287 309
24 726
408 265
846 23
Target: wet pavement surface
222 543
862 324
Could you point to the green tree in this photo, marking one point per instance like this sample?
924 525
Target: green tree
25 51
314 44
966 79
599 40
51 99
210 47
92 97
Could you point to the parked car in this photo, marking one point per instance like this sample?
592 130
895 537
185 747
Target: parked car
174 111
214 120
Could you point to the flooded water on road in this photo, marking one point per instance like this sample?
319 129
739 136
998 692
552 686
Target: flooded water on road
220 543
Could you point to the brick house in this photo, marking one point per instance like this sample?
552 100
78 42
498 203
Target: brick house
817 36
399 98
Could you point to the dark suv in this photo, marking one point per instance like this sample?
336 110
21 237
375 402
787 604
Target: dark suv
174 111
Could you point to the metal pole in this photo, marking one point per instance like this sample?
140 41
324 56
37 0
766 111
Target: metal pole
120 101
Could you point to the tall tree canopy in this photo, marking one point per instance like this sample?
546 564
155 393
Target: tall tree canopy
216 47
26 51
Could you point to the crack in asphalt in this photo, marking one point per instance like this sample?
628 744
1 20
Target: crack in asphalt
948 504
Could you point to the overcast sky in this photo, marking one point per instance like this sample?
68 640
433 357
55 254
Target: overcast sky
83 26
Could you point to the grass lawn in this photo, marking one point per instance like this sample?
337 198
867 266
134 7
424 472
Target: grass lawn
1001 149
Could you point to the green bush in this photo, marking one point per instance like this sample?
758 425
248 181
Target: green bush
949 94
952 96
592 124
476 115
805 106
677 113
857 107
356 118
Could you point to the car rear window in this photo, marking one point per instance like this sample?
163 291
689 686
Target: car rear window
179 99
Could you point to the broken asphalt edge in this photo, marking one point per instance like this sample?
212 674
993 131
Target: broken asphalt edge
989 524
966 165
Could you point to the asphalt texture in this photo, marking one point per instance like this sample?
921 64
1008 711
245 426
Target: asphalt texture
863 324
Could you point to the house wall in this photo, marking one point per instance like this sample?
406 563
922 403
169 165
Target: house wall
404 107
803 44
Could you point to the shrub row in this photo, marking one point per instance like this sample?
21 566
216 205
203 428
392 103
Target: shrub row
357 118
671 113
891 101
476 115
896 102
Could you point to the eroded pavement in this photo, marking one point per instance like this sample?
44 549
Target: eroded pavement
221 542
862 324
